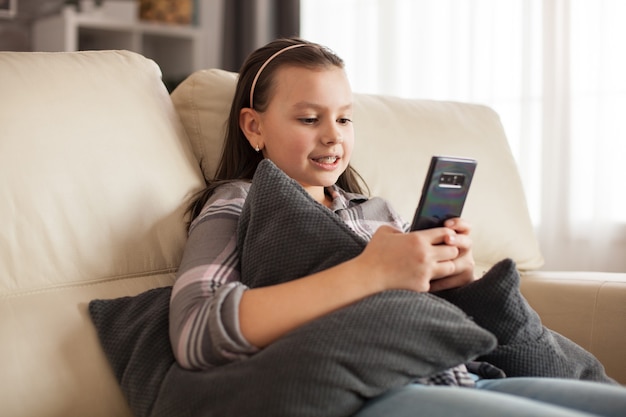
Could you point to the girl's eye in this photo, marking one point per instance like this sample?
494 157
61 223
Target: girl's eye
344 121
308 120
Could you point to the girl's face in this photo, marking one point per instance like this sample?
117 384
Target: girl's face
307 128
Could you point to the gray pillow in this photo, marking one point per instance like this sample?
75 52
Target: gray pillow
331 366
328 367
134 334
525 346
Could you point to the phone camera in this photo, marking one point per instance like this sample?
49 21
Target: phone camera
452 180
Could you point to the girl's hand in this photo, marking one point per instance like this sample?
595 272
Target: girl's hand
391 260
427 260
416 260
464 262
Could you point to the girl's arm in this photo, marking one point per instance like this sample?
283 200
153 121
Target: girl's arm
214 319
204 320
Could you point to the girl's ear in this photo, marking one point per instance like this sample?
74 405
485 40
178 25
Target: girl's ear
249 123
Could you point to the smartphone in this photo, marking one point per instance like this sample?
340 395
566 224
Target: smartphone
445 190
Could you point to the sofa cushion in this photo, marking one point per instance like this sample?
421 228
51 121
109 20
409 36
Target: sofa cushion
95 169
395 139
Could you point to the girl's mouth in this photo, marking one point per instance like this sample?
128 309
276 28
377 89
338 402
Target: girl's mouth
329 163
326 160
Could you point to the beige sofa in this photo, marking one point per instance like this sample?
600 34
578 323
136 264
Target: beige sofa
97 161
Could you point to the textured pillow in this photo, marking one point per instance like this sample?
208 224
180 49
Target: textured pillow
293 376
134 334
330 366
327 367
525 346
281 222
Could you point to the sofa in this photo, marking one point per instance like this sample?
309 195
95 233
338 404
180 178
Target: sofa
98 162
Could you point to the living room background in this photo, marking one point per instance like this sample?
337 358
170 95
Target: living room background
552 69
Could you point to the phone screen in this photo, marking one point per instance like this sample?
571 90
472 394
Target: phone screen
445 190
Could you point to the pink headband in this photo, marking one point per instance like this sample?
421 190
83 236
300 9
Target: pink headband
267 61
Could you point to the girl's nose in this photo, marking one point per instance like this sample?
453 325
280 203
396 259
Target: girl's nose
332 136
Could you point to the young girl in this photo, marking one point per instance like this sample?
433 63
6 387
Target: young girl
293 105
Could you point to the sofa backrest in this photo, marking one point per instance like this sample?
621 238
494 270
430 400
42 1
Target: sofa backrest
395 139
95 171
92 179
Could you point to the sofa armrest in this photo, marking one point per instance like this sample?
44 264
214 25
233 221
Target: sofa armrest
587 307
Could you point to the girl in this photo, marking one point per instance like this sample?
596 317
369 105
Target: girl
293 105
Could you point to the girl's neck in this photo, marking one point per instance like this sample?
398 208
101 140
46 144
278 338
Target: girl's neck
320 195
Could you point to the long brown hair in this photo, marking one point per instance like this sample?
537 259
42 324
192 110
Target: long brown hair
239 161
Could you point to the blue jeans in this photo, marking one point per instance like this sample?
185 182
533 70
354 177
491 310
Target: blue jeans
510 397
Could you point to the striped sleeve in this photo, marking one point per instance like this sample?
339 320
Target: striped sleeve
204 322
365 216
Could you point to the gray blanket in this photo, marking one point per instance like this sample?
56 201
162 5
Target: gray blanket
330 366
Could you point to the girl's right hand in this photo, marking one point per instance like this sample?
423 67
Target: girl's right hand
397 260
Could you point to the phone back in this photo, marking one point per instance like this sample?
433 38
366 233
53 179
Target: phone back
445 190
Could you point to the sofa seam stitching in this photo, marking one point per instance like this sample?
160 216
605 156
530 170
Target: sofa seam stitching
79 284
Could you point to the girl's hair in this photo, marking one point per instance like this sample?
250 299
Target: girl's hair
239 160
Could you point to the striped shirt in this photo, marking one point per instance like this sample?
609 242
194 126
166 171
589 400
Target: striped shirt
204 322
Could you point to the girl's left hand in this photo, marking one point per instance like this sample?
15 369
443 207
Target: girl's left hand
464 263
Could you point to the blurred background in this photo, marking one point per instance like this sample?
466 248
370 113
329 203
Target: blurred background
552 69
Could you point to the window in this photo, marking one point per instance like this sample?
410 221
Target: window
554 72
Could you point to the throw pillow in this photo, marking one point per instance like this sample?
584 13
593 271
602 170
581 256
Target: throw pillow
525 346
134 334
328 367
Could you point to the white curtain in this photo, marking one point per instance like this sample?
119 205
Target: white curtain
555 71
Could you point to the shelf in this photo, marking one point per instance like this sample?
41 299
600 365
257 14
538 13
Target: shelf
132 26
177 49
